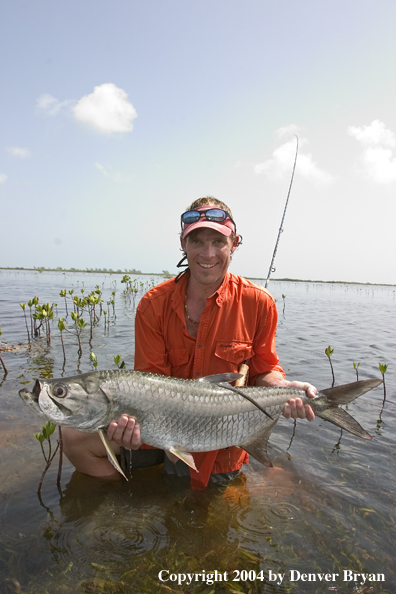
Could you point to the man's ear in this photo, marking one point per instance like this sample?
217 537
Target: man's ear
235 243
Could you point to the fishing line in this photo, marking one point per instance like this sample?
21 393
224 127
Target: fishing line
271 268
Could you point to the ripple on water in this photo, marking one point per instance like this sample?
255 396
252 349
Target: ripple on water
111 537
266 516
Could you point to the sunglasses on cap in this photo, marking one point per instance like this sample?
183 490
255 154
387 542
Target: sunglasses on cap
216 215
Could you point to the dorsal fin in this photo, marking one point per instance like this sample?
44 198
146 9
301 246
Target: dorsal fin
220 378
223 380
234 389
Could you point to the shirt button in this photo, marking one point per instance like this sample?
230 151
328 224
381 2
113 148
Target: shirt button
199 346
197 373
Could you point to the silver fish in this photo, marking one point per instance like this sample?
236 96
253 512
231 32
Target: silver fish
183 416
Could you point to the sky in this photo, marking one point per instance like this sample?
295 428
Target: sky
116 115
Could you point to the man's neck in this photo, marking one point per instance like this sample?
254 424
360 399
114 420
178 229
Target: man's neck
200 292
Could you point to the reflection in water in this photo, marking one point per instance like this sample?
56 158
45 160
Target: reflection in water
41 364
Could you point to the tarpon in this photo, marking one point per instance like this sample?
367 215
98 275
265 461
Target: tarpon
184 416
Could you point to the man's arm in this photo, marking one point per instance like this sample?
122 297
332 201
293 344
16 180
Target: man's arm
294 408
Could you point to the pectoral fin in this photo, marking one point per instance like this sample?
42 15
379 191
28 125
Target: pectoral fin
257 447
110 454
180 455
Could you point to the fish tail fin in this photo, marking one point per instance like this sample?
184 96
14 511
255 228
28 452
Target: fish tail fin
347 393
344 395
340 418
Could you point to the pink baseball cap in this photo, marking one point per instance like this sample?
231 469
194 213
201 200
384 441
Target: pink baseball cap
225 228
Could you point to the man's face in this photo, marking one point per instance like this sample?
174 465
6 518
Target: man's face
208 255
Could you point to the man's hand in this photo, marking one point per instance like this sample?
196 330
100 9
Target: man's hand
294 408
125 432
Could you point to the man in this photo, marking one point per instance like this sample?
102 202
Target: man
206 321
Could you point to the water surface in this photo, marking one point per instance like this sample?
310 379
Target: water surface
327 506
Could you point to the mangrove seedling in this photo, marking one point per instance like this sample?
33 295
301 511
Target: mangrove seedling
94 360
329 351
119 362
63 294
80 324
1 360
356 366
383 369
62 327
44 313
45 435
33 327
284 303
23 305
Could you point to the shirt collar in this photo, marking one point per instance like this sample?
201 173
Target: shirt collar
180 292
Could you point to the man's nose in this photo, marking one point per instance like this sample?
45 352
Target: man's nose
208 250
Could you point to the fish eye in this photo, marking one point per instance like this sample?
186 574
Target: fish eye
59 390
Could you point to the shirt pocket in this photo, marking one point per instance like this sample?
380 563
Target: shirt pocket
177 356
234 351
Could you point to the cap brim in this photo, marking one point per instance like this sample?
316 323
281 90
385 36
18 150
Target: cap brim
221 228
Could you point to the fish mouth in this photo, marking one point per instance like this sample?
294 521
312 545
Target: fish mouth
36 391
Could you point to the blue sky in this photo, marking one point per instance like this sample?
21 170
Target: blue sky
116 115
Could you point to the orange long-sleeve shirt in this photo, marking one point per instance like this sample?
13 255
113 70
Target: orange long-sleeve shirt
237 324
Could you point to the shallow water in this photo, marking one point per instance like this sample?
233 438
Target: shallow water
327 506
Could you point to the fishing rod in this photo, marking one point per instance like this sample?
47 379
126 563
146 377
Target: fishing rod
271 268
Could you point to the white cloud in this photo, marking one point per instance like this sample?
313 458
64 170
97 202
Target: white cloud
102 168
377 159
3 178
282 161
106 109
374 134
18 151
106 171
50 105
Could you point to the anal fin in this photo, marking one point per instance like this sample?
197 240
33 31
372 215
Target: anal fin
257 447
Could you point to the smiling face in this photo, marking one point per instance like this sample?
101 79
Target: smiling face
208 255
